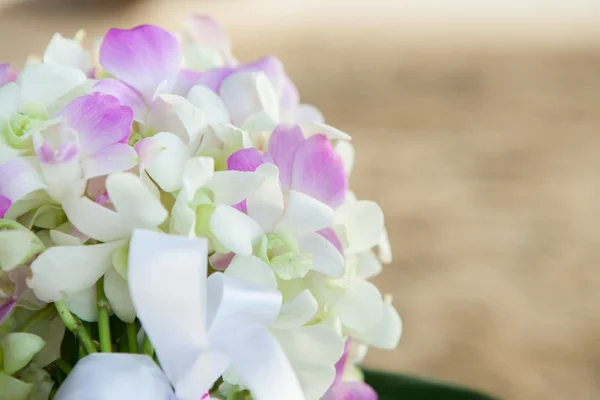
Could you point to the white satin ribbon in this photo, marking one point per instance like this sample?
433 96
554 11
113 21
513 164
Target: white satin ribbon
199 327
104 376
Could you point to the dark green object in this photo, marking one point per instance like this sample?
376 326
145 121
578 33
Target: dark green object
401 387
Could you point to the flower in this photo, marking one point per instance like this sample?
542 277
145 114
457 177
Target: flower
348 390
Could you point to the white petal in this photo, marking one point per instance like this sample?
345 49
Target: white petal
18 348
62 239
259 122
252 269
131 376
326 257
297 311
236 231
175 114
360 307
43 84
183 218
314 128
196 172
386 333
19 177
231 187
52 330
10 99
15 246
304 215
61 272
94 220
209 102
363 221
315 381
84 304
367 265
135 204
167 168
245 93
117 294
346 152
384 248
265 205
314 345
167 277
68 53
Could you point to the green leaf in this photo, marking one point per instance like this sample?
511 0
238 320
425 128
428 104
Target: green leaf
393 386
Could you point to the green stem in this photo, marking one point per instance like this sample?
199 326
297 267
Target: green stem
103 321
37 317
147 347
132 337
63 366
74 325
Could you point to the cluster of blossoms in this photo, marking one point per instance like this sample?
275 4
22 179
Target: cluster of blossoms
176 225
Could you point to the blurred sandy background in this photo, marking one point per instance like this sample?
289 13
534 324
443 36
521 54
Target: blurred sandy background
477 126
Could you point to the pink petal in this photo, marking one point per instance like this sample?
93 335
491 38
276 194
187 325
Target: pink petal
213 78
241 206
99 121
206 31
330 235
142 57
186 80
272 67
220 261
64 152
6 308
340 366
355 391
5 204
19 177
318 171
6 75
148 150
282 146
244 160
126 94
117 157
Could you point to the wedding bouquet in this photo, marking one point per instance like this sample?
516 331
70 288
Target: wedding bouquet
177 225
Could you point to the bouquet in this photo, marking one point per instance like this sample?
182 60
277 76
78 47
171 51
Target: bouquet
176 224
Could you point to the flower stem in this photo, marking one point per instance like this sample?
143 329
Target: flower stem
147 347
63 366
103 321
74 325
37 317
132 337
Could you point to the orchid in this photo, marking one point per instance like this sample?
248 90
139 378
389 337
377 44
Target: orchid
188 217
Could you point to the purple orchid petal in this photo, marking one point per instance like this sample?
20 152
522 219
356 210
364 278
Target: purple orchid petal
283 144
126 94
220 262
213 78
6 75
245 160
142 57
355 390
148 150
19 177
64 152
6 308
330 235
99 121
186 80
272 67
318 171
289 99
5 204
242 206
117 157
206 31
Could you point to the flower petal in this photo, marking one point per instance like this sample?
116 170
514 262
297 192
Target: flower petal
346 152
305 215
309 113
207 32
18 348
175 114
196 173
126 94
272 68
266 204
231 187
209 102
252 269
363 222
356 391
19 177
326 258
175 267
63 271
360 307
245 160
43 84
68 53
318 128
318 171
134 203
167 168
131 376
117 157
297 312
367 265
83 304
117 294
143 57
386 333
245 93
236 231
282 147
99 120
94 220
10 99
